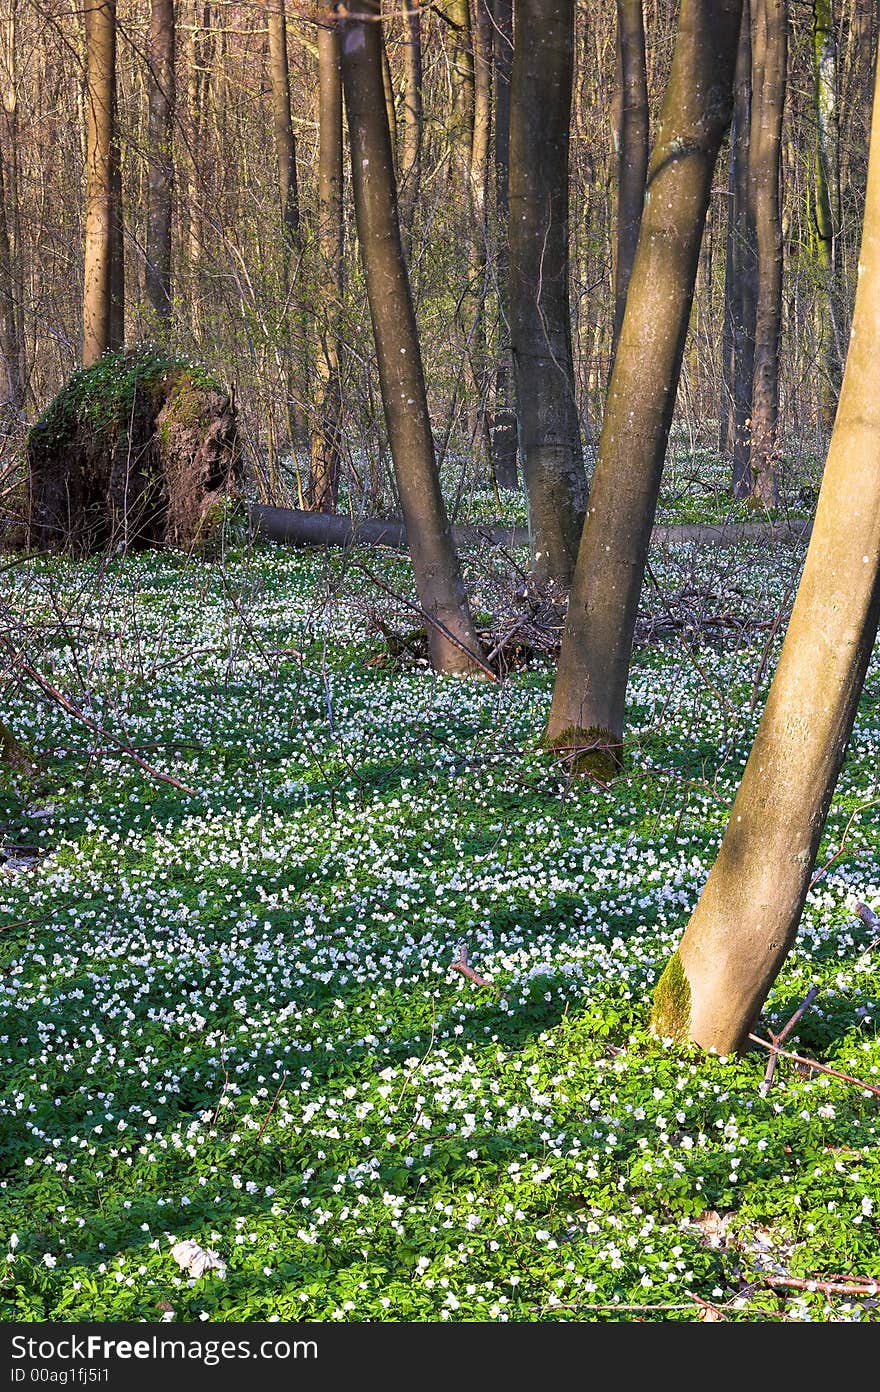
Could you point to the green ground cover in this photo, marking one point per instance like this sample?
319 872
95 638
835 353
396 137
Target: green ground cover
229 1015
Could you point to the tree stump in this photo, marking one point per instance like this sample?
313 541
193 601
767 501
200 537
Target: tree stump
138 450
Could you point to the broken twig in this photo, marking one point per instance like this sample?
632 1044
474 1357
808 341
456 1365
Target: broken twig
461 965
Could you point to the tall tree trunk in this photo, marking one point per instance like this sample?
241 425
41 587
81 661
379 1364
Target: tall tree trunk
326 437
481 29
504 417
457 17
748 914
549 431
741 275
586 716
413 124
452 639
288 200
11 269
826 208
117 241
11 387
769 65
160 135
631 142
390 101
101 214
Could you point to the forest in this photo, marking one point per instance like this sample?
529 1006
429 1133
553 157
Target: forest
439 682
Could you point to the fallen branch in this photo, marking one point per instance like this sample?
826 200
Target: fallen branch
847 1285
461 965
868 917
58 696
811 1063
777 1039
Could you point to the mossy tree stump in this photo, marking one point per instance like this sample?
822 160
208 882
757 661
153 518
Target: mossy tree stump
137 450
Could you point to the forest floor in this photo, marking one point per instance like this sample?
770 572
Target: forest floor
228 1014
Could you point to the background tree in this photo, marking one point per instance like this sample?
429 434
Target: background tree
452 639
586 715
160 175
327 434
769 71
540 319
631 143
100 325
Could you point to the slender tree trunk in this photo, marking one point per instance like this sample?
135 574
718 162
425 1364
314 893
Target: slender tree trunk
549 431
11 387
478 184
586 717
413 124
631 142
457 18
390 102
326 437
826 208
285 142
451 635
741 273
504 433
11 269
769 64
160 135
117 241
100 29
748 914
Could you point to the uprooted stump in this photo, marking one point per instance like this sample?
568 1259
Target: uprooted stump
137 450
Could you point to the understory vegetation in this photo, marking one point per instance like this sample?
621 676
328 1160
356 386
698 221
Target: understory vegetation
229 1013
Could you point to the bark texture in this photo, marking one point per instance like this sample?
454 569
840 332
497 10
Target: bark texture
769 66
101 210
588 699
504 435
631 141
326 438
160 175
435 563
748 913
826 207
540 315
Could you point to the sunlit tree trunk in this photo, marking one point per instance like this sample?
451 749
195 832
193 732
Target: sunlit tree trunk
326 437
452 639
504 417
826 207
12 388
101 213
540 315
160 135
748 914
631 143
740 279
413 123
769 66
586 716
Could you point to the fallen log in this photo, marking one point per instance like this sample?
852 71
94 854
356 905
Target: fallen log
298 528
294 527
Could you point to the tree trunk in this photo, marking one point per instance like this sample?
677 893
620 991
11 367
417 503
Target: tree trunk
586 716
741 271
160 136
549 432
13 754
769 64
478 183
285 142
11 387
748 914
413 124
631 142
326 437
100 29
504 416
454 644
826 208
